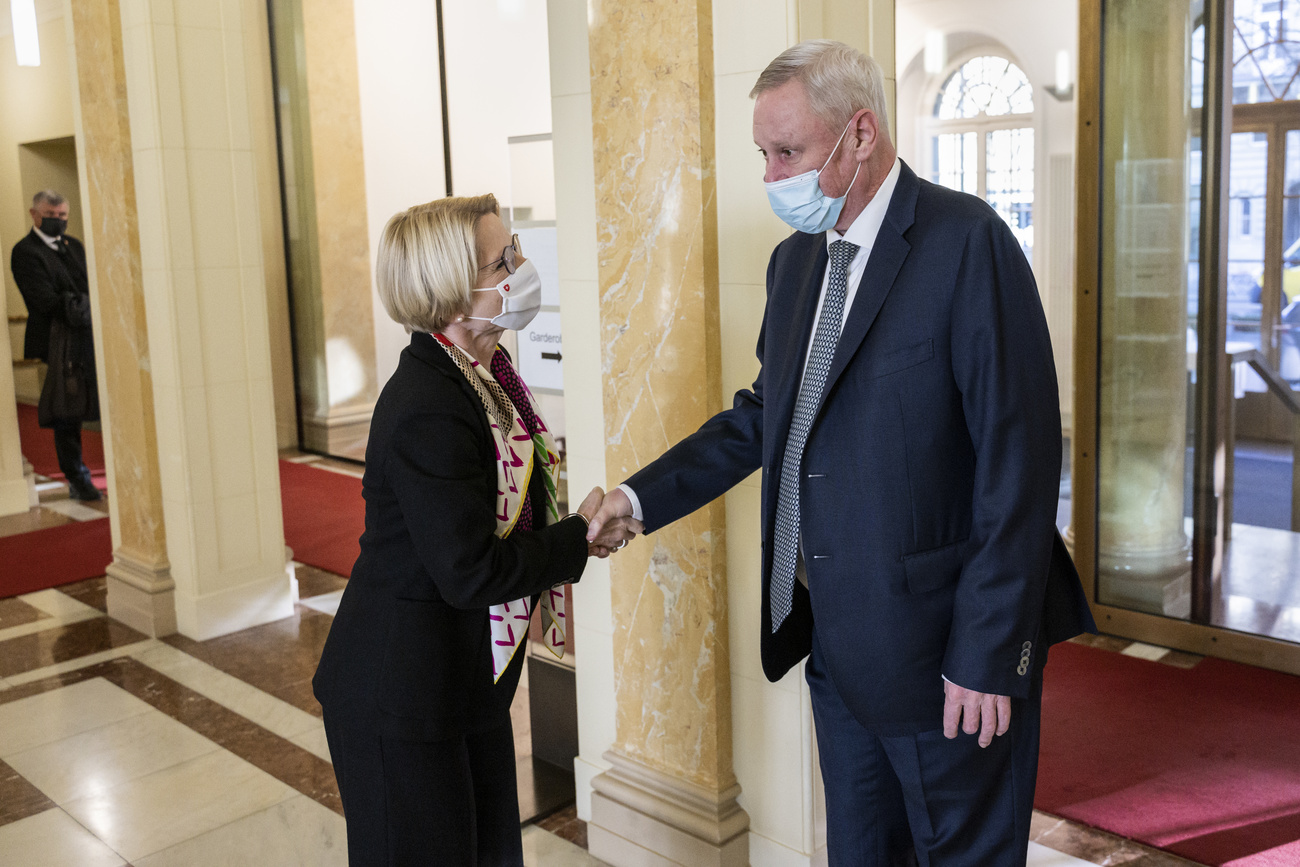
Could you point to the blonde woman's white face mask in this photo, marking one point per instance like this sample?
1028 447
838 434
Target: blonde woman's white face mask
521 298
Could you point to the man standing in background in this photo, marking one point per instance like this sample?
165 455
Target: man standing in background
49 267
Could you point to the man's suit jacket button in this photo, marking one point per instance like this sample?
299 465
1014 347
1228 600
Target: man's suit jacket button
1021 669
1027 645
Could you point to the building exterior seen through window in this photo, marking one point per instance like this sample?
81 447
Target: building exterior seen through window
1264 182
982 140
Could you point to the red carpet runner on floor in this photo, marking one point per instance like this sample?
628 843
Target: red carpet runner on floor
1202 762
324 516
57 555
38 447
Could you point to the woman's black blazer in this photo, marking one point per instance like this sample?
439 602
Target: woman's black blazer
409 654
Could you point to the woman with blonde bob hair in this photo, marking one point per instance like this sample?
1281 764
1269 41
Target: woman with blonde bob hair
463 541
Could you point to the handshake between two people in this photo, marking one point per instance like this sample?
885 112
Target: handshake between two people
610 524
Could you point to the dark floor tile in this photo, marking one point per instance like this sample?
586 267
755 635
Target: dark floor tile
62 643
278 657
53 682
16 612
1179 659
566 825
92 592
1097 846
1103 642
19 798
282 759
317 582
35 518
299 694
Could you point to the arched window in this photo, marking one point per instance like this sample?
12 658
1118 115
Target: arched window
982 139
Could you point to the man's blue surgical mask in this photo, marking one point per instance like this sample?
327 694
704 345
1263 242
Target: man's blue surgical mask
800 202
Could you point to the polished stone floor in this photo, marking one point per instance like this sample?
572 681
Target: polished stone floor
120 749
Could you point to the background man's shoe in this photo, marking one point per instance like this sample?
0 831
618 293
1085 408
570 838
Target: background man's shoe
87 493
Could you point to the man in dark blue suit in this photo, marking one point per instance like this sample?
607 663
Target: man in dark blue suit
907 422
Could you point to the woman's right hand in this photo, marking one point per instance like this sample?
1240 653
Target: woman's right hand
613 533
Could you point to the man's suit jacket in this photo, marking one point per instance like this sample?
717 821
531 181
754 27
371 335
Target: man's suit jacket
44 277
930 476
409 654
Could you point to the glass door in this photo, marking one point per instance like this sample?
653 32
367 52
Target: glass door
1150 197
1187 495
1260 589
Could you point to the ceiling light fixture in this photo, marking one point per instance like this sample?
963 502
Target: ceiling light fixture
27 43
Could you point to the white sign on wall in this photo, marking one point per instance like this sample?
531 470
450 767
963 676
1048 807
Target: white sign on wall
539 243
540 355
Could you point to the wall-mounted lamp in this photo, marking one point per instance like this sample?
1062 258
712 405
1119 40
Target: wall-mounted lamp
936 52
1064 87
27 43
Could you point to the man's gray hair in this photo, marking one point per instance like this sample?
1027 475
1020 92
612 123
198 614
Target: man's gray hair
840 81
49 196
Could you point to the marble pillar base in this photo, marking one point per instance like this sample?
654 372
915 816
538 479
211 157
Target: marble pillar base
643 818
342 434
142 597
15 496
1157 582
249 604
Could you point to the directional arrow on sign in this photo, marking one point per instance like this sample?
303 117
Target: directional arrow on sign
552 356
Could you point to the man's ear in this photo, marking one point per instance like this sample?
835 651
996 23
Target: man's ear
865 130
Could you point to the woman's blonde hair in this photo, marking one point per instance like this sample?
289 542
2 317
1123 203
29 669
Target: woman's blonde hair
428 261
840 81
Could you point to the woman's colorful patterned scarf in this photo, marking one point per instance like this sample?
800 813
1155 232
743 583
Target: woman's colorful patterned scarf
522 442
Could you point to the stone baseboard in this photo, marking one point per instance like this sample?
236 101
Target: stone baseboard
141 596
342 434
641 817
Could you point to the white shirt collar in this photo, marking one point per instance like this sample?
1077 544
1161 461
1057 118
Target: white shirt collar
51 242
864 229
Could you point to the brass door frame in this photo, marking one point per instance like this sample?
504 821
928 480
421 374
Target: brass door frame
1194 637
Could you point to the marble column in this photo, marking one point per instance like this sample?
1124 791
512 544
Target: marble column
669 796
14 480
197 189
329 238
1144 555
140 586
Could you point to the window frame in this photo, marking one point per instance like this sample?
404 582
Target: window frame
981 125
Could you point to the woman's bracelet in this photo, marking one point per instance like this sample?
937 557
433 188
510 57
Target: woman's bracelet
578 515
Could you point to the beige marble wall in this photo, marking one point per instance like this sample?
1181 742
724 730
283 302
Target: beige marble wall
140 585
329 235
198 190
652 112
13 480
37 103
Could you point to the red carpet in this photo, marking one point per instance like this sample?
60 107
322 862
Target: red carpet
324 516
1202 762
38 448
57 555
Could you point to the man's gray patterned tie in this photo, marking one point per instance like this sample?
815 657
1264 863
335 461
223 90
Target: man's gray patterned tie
785 546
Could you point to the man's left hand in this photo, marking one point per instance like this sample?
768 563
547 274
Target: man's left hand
975 711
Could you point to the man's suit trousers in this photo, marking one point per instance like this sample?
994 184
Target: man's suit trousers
923 799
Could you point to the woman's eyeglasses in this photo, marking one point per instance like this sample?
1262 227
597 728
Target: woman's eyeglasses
510 257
